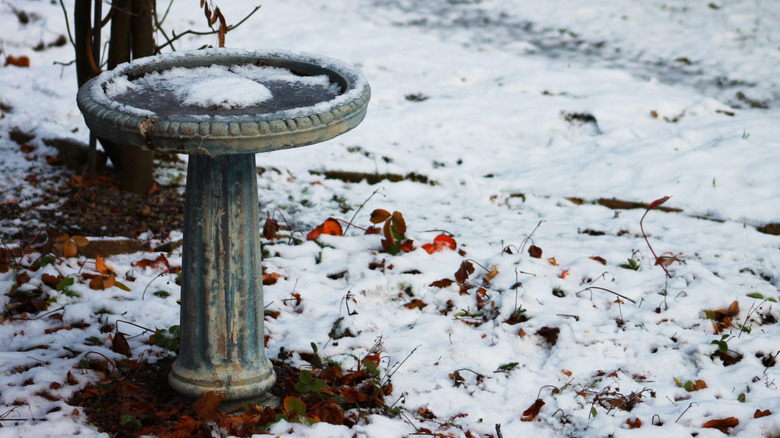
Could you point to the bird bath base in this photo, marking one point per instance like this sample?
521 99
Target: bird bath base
221 345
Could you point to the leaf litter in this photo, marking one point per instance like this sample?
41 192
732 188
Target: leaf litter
526 337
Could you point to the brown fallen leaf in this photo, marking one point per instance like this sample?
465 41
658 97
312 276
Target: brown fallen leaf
207 405
722 425
531 413
119 345
416 303
760 413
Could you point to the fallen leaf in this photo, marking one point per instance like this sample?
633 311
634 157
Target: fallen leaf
19 61
330 226
550 334
160 263
531 413
207 405
269 279
599 259
722 425
535 252
492 274
463 272
552 261
444 282
440 242
100 265
759 413
416 303
119 345
270 229
634 424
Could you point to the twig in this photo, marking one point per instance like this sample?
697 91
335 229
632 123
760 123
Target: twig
360 208
652 205
522 246
686 410
67 23
150 282
390 373
211 32
606 290
498 431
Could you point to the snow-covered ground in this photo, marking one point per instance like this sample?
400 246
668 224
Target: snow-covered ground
511 109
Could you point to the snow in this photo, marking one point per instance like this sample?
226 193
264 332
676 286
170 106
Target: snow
684 100
237 86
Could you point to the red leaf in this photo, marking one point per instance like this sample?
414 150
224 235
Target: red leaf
440 242
658 202
722 425
531 413
330 226
535 252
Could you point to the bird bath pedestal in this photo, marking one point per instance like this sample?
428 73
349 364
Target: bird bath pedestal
222 107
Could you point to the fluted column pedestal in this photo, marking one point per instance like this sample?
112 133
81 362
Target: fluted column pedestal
222 339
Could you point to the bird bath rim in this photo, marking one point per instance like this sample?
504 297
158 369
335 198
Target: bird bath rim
216 134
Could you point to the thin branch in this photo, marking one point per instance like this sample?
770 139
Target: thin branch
67 23
211 32
360 208
606 290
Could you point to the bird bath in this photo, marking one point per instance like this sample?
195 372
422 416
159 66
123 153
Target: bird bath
222 107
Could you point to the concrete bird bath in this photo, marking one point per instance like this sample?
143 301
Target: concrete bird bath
222 107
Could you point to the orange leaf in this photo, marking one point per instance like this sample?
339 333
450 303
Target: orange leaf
634 424
722 425
531 413
269 279
407 245
379 215
69 248
330 226
100 265
20 61
552 261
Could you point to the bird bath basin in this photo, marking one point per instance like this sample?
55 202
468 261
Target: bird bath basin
222 107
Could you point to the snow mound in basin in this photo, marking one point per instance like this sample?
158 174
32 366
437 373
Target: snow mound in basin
230 92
